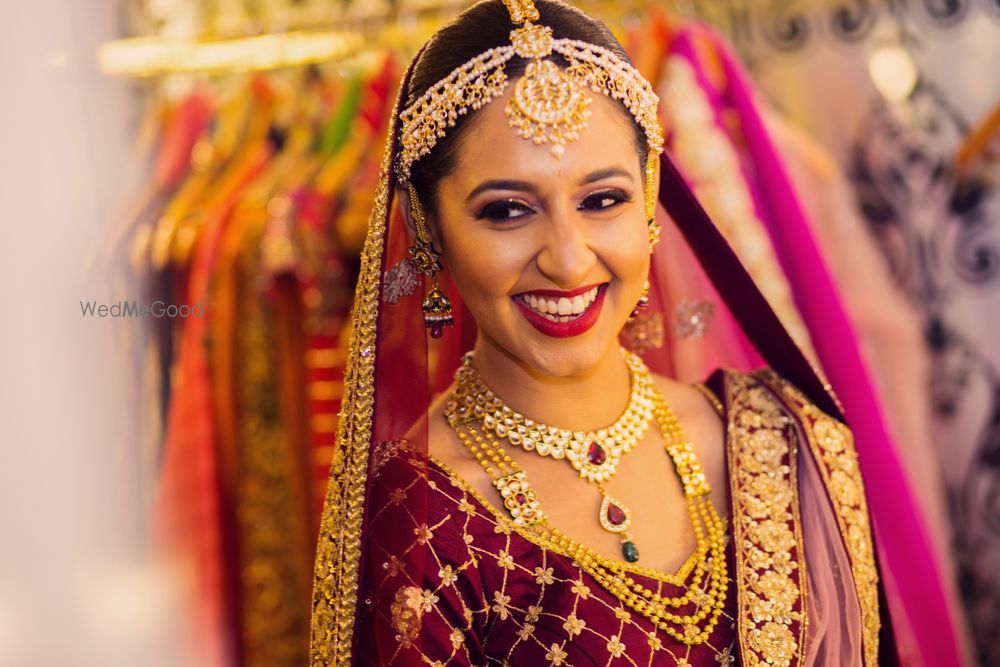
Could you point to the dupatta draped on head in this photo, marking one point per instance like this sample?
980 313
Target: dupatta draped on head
395 370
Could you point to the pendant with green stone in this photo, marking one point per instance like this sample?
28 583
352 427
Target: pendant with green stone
629 550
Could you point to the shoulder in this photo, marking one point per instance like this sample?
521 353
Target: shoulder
695 406
702 421
444 445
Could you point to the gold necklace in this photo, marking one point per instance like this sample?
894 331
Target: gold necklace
708 577
593 454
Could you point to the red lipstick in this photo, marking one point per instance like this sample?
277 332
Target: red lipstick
575 327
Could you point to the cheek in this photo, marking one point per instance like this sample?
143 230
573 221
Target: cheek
485 264
626 251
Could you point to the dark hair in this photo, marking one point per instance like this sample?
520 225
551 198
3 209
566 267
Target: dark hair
483 26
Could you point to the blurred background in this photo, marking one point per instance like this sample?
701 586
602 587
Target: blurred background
186 186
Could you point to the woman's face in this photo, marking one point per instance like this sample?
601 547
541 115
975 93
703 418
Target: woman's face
549 254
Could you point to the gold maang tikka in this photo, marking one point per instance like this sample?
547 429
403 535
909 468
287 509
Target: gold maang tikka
427 260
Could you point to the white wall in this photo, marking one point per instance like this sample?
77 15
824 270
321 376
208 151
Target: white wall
77 585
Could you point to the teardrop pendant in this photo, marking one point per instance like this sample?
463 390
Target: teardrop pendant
614 516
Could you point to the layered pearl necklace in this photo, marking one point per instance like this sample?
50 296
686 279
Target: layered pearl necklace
481 420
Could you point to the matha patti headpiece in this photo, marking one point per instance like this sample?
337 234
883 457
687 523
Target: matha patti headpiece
549 105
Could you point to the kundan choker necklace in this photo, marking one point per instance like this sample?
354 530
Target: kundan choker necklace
481 420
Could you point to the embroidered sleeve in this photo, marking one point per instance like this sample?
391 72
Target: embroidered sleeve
424 582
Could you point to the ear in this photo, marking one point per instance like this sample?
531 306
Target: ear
403 197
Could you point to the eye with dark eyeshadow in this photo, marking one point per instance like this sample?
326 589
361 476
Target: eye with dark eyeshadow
499 211
604 200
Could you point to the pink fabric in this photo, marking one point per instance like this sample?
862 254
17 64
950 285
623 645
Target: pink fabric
834 630
677 277
915 592
889 328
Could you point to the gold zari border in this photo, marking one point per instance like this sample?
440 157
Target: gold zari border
770 568
338 557
832 445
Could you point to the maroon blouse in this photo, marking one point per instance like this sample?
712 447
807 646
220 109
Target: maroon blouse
488 595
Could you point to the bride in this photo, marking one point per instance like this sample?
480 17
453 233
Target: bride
518 488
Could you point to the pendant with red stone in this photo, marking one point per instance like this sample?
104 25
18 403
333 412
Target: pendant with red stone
614 517
593 456
596 455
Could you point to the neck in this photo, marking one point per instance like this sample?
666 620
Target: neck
590 399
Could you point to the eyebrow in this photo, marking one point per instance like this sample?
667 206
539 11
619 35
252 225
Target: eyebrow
525 186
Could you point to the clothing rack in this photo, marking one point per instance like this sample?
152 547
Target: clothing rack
401 28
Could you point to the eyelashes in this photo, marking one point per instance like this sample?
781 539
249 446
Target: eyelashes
604 200
501 211
512 209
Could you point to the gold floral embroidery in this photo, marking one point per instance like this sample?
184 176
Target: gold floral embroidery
504 560
428 600
543 576
726 657
393 566
770 561
581 589
556 655
832 446
615 647
465 506
573 625
534 611
447 575
423 533
500 605
406 609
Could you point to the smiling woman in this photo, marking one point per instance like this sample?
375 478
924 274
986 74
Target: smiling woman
525 490
521 225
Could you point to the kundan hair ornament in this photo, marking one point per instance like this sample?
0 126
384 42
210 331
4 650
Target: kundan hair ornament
549 105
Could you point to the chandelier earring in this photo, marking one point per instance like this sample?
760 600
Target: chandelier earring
643 302
426 258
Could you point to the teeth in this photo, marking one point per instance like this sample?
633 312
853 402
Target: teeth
562 309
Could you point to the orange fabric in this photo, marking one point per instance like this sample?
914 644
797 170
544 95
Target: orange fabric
189 513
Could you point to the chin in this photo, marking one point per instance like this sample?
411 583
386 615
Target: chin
563 357
568 359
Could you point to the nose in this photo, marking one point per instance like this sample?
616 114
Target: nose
566 257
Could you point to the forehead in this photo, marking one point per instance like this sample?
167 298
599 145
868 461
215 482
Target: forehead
492 149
